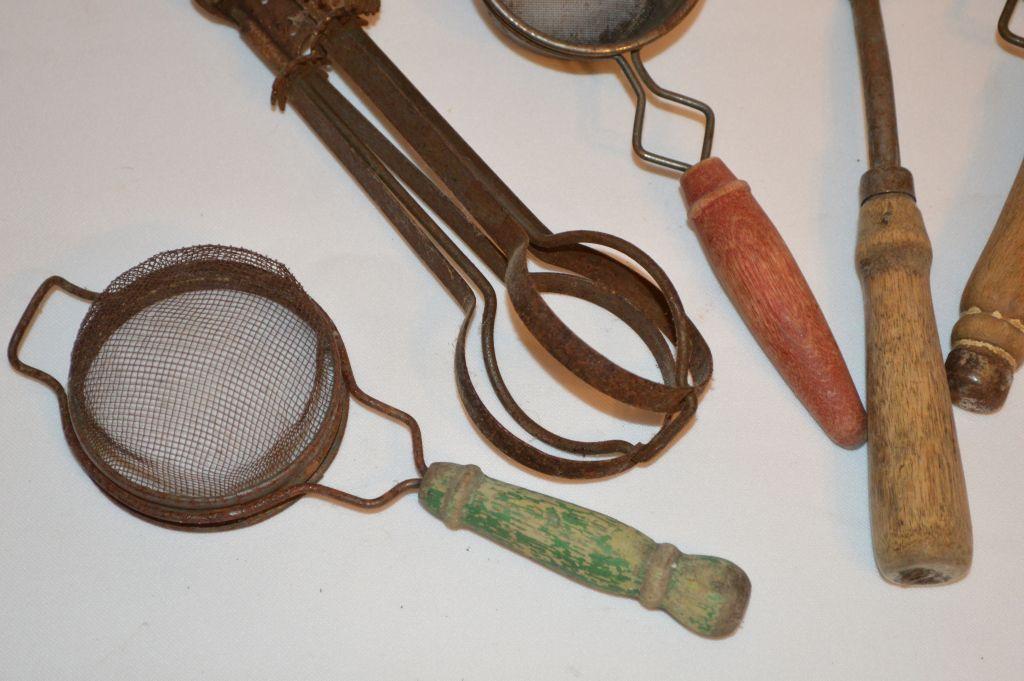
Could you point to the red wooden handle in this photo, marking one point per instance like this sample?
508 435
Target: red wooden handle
765 285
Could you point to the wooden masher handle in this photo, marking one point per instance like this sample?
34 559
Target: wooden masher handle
758 272
707 595
988 341
921 524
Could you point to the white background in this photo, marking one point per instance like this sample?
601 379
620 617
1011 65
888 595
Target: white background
127 128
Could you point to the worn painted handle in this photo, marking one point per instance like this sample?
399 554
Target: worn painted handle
920 521
706 595
988 341
762 279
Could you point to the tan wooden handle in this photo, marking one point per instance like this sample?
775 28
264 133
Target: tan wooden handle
920 521
988 341
764 283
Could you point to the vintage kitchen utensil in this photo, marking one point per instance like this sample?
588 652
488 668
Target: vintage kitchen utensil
988 340
920 521
1004 24
368 155
208 391
745 250
491 220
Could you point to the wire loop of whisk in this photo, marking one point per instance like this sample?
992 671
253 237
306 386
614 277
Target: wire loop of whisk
385 173
463 192
1004 24
640 81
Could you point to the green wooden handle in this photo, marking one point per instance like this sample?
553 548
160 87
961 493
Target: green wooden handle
707 595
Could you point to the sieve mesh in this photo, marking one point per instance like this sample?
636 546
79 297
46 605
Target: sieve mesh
591 23
202 373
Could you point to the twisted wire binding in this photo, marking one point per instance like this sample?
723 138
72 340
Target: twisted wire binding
311 56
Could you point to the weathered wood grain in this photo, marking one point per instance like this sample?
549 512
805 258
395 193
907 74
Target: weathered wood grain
758 272
988 341
707 595
921 525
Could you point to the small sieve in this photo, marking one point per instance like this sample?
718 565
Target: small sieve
207 390
603 29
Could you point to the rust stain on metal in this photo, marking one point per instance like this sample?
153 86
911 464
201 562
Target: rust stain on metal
168 408
458 186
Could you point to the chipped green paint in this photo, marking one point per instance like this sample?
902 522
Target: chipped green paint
558 535
707 595
432 499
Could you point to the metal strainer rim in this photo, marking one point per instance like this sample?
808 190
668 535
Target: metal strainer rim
307 466
547 43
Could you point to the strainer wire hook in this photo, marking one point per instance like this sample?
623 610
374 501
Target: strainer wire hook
639 79
1004 25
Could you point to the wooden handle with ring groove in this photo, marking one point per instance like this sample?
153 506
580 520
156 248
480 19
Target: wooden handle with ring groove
920 520
988 341
765 285
707 595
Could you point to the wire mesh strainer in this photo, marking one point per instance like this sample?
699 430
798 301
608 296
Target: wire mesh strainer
207 390
592 28
203 382
601 29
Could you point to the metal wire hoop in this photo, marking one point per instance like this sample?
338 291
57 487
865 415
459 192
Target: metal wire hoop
636 36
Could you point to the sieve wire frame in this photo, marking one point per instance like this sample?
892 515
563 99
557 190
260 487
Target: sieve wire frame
653 28
267 496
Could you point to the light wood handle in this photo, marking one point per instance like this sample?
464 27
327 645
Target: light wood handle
920 521
988 341
706 595
758 272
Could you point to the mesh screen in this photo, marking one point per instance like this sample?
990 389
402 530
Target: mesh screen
592 22
201 373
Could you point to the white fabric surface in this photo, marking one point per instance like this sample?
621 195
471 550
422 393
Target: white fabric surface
127 128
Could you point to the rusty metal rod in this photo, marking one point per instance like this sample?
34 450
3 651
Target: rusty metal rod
876 74
292 37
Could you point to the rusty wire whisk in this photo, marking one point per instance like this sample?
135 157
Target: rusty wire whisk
296 38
